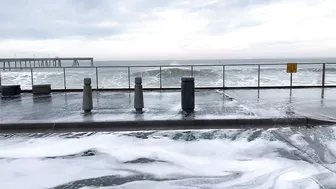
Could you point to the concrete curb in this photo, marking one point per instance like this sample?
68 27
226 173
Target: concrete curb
10 90
41 89
136 125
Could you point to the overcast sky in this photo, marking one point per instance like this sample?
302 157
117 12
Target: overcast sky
168 29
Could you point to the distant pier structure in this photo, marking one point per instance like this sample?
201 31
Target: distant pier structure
22 63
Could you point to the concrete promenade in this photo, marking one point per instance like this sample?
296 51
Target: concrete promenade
214 109
303 102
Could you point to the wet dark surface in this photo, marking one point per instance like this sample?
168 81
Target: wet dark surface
112 106
166 105
305 102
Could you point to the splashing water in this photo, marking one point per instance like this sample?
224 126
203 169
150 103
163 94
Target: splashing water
274 158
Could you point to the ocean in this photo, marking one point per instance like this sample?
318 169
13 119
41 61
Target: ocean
282 158
207 73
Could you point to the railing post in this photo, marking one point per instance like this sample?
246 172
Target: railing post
323 79
97 78
32 77
64 79
192 70
129 77
258 76
223 76
291 83
291 80
323 74
160 77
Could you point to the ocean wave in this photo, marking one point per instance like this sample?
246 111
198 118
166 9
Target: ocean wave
244 158
170 76
167 72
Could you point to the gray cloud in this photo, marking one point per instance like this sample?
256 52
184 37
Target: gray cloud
39 19
43 19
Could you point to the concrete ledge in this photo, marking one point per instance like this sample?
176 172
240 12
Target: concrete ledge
41 89
137 125
10 90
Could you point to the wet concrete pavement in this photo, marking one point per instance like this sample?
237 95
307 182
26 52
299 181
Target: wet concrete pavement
304 102
210 104
114 106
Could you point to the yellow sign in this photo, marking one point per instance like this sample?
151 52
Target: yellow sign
291 67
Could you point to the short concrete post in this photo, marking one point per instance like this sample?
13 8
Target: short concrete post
138 95
87 96
188 94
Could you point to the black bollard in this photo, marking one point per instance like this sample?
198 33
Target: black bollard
188 94
87 96
138 95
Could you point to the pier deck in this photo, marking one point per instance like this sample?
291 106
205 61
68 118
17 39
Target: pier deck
9 63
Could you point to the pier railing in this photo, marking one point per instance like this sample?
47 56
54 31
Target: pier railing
228 76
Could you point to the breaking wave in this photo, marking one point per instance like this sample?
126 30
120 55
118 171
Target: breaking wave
246 158
170 76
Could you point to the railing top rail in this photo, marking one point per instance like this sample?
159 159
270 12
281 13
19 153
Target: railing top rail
214 65
168 66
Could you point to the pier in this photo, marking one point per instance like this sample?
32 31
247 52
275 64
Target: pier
21 63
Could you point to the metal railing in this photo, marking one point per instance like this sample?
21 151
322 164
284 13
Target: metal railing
192 70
